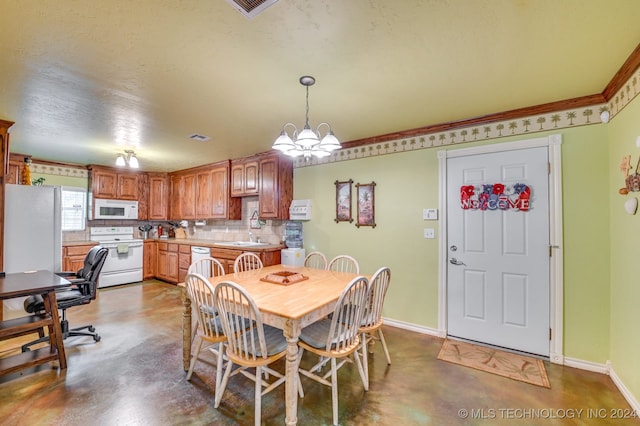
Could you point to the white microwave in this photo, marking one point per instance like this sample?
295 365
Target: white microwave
115 209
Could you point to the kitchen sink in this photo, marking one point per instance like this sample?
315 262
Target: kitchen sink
241 243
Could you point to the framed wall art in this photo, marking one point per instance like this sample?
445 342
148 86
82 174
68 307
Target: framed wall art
343 201
366 205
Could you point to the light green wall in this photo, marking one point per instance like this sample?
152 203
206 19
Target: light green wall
405 184
625 252
408 182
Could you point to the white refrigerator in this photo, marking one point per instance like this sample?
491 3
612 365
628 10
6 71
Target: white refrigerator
32 231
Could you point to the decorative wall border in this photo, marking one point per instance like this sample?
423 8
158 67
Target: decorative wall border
526 125
48 169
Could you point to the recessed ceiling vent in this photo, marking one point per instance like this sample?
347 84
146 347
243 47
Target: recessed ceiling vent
199 138
251 8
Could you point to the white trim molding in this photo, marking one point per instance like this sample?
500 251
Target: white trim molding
552 143
633 402
414 327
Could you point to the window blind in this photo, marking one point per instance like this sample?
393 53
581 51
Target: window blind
74 201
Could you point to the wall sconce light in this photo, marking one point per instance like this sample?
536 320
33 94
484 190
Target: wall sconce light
129 157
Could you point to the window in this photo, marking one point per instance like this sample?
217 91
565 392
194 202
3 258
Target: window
74 201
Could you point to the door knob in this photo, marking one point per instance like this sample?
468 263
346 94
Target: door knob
455 261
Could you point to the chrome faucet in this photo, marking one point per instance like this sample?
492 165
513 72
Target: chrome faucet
251 237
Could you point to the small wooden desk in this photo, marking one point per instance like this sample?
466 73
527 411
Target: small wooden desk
24 284
289 308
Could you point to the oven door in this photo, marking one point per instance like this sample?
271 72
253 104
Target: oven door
123 264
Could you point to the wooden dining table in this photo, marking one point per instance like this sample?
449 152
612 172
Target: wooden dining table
24 284
288 307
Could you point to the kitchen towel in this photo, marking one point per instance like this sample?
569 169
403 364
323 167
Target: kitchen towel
122 248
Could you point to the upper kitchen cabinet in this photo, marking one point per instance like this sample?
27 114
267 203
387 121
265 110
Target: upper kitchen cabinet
158 184
203 193
4 171
175 185
223 205
113 184
16 165
182 204
244 177
188 196
276 187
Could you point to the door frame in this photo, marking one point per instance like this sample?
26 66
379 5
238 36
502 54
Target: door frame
553 145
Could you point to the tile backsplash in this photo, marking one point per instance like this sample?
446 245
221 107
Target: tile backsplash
270 231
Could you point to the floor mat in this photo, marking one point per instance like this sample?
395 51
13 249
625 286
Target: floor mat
514 366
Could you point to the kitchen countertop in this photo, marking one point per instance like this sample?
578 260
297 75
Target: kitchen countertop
218 244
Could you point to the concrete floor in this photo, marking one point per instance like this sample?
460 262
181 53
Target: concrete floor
134 376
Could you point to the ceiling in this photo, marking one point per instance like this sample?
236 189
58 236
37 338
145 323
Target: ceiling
85 80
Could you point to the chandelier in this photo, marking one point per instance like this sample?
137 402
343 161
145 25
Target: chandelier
306 142
129 157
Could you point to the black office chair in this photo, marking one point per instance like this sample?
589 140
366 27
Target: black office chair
82 291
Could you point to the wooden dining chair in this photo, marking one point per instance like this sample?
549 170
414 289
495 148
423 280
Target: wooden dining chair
372 317
250 344
344 263
316 260
336 338
246 262
207 267
210 331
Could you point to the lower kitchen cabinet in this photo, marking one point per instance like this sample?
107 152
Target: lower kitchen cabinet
73 256
228 256
168 258
173 259
150 260
184 260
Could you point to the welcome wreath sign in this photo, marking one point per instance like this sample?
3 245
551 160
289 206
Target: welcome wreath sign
497 196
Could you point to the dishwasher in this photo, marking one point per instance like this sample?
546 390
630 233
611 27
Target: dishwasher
199 253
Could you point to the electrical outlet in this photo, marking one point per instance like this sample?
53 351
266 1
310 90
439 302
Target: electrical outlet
429 233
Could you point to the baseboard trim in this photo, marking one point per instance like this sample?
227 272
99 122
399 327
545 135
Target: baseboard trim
414 327
586 365
633 402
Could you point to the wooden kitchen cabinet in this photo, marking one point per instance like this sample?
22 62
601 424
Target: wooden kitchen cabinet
149 259
276 187
184 260
188 196
4 171
203 193
73 256
244 177
16 165
183 196
227 256
158 196
168 262
175 185
143 196
223 206
113 184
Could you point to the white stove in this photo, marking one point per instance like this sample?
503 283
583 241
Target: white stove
124 262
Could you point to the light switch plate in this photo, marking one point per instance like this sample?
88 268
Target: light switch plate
430 214
429 233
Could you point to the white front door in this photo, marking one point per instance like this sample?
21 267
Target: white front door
498 249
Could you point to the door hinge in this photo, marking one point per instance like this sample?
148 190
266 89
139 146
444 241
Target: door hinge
549 333
548 168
